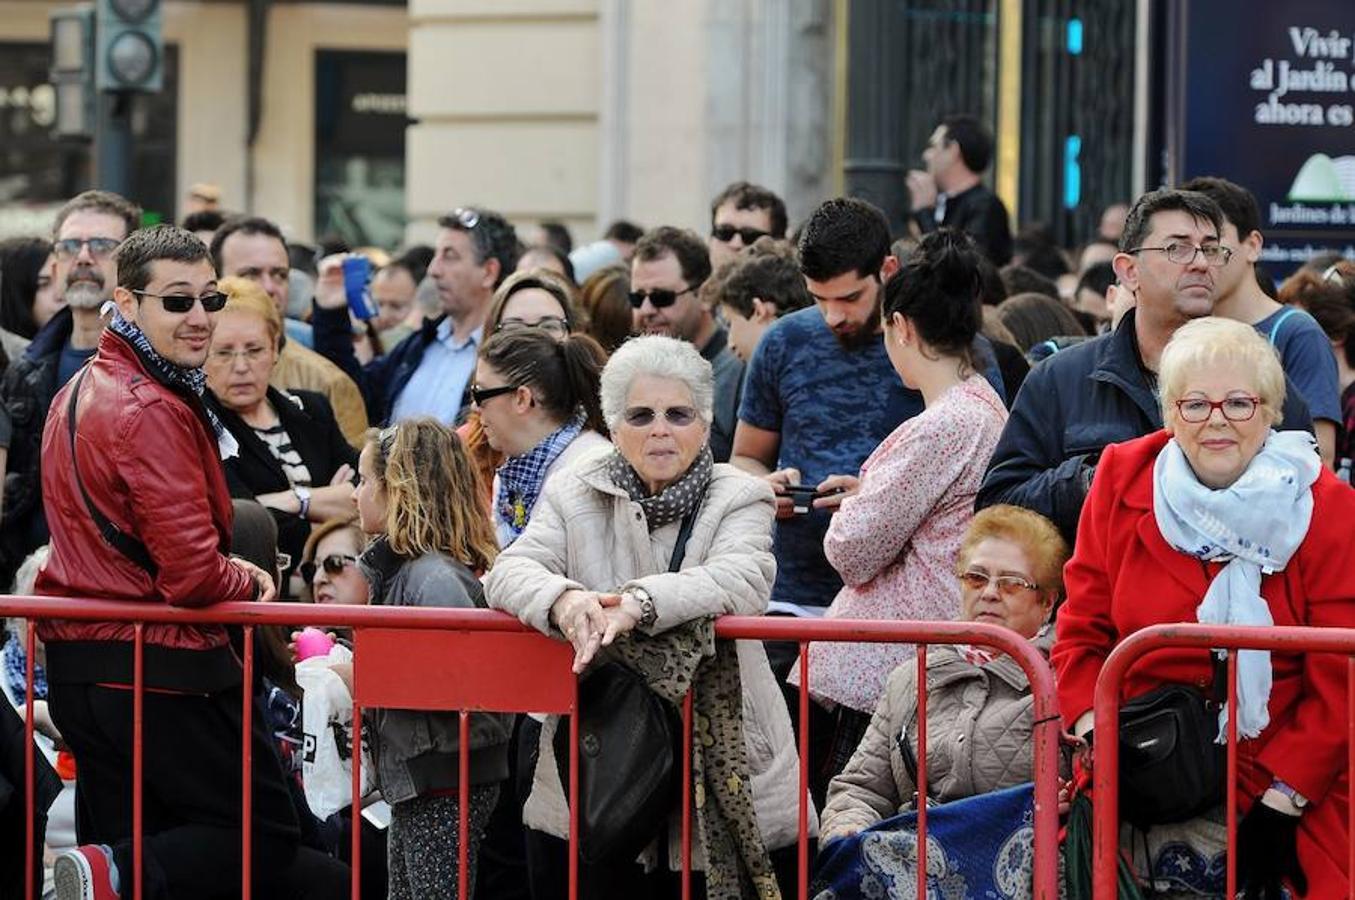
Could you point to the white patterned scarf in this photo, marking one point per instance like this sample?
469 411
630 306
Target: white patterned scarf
1255 525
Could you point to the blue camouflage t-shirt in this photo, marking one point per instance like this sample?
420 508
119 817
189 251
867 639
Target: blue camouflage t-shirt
832 406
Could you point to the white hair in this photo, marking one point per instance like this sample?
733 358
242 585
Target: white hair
661 357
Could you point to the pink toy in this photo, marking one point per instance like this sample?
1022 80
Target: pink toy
312 642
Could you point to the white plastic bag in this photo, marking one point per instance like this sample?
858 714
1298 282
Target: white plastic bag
327 735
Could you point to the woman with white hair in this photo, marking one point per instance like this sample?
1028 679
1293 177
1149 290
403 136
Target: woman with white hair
628 556
1223 520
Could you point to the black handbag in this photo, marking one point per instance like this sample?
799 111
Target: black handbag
630 752
1171 769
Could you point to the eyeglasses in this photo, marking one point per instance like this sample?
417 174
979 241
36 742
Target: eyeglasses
643 416
468 217
552 325
480 395
182 303
726 233
332 564
1007 585
251 356
99 247
1234 409
1183 254
658 298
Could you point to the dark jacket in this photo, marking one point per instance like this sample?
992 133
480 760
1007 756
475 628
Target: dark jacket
148 459
1069 408
28 386
317 438
384 378
727 370
979 213
416 752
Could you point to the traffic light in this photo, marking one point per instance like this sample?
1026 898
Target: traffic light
130 52
73 71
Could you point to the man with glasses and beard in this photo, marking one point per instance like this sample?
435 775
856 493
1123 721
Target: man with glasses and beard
141 514
88 229
667 271
820 395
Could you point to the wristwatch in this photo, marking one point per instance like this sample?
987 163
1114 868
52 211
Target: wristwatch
303 496
1294 796
648 614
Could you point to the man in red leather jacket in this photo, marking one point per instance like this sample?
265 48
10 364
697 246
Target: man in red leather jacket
139 512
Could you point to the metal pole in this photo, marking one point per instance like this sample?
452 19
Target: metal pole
113 143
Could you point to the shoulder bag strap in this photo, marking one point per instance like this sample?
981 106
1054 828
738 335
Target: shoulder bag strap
685 532
119 540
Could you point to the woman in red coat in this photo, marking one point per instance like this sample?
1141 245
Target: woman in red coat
1186 525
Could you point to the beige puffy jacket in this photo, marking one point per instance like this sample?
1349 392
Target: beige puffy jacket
586 533
979 724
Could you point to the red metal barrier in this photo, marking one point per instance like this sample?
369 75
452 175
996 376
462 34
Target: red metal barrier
1106 724
476 660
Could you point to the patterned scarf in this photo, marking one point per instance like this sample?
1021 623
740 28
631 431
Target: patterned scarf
173 376
673 502
690 658
522 477
14 660
1254 526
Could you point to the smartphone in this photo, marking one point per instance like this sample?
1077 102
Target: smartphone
803 496
357 273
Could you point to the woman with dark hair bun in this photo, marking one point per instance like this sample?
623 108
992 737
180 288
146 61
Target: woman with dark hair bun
537 399
895 538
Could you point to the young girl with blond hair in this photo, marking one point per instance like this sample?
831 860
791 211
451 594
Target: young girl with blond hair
418 497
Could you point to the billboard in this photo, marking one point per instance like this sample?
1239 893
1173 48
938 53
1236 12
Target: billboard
1265 96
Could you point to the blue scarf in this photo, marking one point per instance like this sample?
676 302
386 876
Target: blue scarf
1254 525
14 660
172 375
521 477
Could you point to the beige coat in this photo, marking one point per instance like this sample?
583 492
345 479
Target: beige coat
979 724
586 533
300 369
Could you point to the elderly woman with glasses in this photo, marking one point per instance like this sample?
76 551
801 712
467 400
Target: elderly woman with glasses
597 567
979 705
1220 519
293 458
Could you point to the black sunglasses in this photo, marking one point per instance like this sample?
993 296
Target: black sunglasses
643 416
726 233
182 303
332 564
480 395
658 298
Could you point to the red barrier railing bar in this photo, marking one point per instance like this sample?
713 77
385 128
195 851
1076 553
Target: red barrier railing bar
802 841
921 785
30 831
796 630
463 807
688 787
1231 798
1106 705
355 765
573 790
1350 758
138 697
246 758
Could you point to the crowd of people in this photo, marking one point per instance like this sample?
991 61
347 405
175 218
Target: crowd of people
619 442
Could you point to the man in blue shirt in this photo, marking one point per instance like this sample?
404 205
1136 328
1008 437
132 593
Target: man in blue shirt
428 373
821 394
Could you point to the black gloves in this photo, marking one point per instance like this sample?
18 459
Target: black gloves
1267 853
